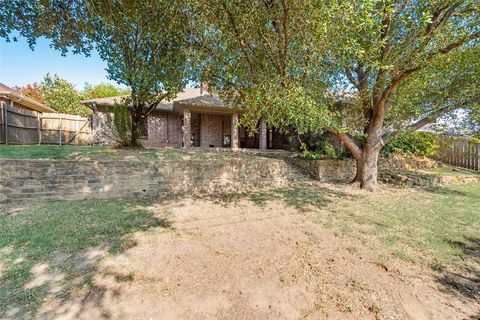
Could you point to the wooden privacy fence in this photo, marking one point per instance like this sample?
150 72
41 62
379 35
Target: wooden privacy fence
21 126
459 153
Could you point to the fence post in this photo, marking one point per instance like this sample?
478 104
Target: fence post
2 115
60 131
77 133
90 125
39 124
5 122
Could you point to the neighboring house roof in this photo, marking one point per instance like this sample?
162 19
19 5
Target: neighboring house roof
25 101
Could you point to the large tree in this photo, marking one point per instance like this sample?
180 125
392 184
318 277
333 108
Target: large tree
275 56
262 57
379 45
144 43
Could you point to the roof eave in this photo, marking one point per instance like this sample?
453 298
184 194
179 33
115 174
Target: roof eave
202 108
30 103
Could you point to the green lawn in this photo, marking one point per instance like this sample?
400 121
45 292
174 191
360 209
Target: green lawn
54 235
70 152
449 171
437 228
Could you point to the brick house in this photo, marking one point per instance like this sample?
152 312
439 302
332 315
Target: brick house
193 119
12 98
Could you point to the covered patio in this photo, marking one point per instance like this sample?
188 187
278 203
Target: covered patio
209 123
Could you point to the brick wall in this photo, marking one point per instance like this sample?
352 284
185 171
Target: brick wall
62 179
212 129
164 129
101 131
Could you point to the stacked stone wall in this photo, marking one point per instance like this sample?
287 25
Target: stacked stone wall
65 179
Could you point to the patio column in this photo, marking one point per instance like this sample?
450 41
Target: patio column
263 135
187 126
234 136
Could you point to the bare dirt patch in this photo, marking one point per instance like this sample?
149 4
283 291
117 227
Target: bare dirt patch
261 258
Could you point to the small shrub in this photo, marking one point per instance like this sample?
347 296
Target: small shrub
326 150
311 155
416 143
329 150
475 139
121 125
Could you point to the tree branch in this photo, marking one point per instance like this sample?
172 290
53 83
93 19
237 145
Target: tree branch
351 78
430 118
240 39
349 143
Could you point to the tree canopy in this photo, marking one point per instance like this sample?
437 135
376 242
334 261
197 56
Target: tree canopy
145 43
285 60
103 90
33 90
448 89
261 57
356 68
62 96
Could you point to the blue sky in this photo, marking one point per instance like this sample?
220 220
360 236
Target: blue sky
19 65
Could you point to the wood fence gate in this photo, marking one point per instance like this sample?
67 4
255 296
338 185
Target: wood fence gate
21 126
459 153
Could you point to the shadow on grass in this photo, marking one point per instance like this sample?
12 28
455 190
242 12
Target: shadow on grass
466 281
449 192
51 252
300 197
469 190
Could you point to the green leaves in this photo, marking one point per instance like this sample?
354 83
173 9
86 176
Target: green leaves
145 46
62 96
121 125
417 143
267 59
145 43
450 83
284 108
103 90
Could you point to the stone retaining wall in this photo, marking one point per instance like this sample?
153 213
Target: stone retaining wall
329 170
62 179
419 179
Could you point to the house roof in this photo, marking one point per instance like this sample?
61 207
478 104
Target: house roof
203 103
25 101
186 94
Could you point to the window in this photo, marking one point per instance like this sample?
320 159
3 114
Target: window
144 128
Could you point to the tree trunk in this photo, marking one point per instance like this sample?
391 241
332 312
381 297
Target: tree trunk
359 173
135 131
367 164
366 160
369 178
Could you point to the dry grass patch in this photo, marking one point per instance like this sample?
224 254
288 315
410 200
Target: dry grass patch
310 251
